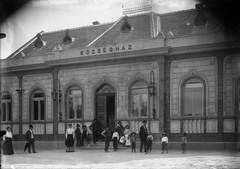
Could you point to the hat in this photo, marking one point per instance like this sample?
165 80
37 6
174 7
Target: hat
134 133
30 126
78 125
144 121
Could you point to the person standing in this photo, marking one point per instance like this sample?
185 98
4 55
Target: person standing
133 141
127 133
164 143
149 142
143 133
107 135
70 133
95 128
184 142
120 130
85 135
7 145
115 138
30 139
78 136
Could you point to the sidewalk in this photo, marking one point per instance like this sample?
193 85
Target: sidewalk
124 159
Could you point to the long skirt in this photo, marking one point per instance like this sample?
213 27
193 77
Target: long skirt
128 142
7 146
70 140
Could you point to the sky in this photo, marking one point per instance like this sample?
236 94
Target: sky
53 15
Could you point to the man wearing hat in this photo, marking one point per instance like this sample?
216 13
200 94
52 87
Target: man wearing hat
143 133
78 135
30 139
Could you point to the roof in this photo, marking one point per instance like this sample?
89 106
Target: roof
142 26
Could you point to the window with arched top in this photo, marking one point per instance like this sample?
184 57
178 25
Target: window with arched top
139 99
6 107
37 105
74 103
193 97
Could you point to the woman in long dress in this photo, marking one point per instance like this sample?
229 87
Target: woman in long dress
70 133
127 133
7 145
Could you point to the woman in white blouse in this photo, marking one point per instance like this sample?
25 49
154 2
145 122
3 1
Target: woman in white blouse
7 145
70 134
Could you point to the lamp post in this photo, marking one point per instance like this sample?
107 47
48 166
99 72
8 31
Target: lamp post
56 95
152 92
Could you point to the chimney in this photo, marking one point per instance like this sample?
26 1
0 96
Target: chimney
95 23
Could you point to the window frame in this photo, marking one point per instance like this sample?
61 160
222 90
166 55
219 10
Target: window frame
131 89
76 87
189 81
38 100
8 114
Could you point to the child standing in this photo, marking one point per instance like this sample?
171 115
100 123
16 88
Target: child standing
85 135
107 134
149 142
184 142
133 141
164 142
115 138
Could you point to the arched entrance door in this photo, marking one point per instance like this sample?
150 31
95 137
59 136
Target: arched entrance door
105 106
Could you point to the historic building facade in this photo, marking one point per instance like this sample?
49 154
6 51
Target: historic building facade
180 71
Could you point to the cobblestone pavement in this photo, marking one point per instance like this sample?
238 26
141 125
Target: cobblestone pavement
123 159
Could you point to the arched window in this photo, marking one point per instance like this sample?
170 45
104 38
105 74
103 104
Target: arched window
139 99
6 107
74 103
193 97
38 105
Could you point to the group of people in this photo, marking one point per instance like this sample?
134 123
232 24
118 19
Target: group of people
7 141
120 135
124 136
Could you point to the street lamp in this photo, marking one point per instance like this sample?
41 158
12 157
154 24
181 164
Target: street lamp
56 95
152 92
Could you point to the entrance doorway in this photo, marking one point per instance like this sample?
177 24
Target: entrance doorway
105 106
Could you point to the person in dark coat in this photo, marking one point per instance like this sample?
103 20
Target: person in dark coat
7 145
120 129
85 135
107 135
30 139
143 133
95 128
78 136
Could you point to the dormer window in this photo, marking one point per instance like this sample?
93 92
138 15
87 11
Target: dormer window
67 38
126 27
38 43
201 19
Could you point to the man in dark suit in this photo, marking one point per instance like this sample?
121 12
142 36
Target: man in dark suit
30 139
143 133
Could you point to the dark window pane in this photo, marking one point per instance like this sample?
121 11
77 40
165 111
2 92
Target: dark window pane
37 95
42 109
70 109
4 109
6 97
9 111
35 110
